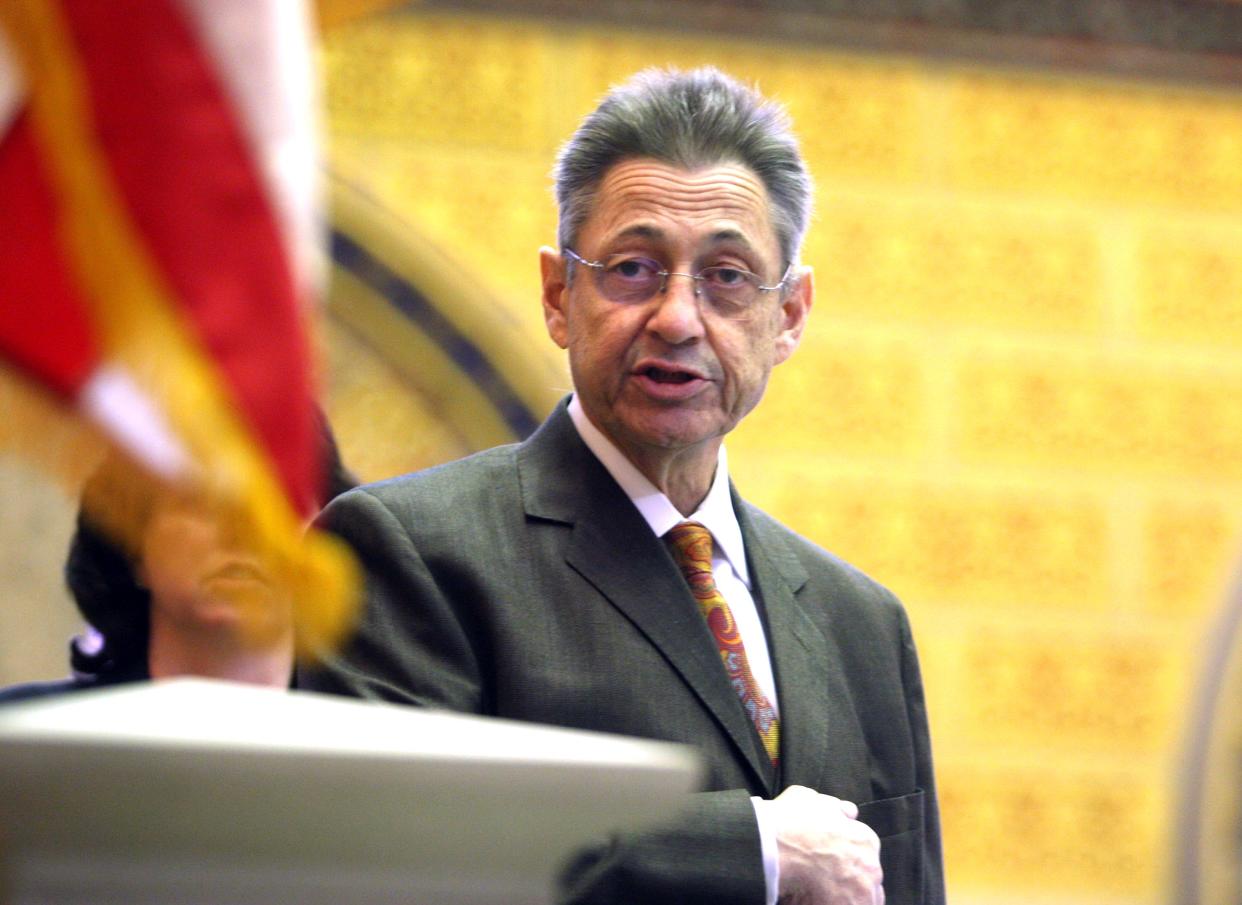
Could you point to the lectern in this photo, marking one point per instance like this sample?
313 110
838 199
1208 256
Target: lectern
195 792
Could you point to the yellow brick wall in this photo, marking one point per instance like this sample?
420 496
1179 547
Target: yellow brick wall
1019 403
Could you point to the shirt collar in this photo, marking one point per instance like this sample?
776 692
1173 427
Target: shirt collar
715 512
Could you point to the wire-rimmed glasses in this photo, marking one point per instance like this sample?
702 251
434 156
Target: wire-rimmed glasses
631 279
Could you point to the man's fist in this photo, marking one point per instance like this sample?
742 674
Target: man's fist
827 857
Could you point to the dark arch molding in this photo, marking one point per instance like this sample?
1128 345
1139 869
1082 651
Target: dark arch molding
1211 770
412 304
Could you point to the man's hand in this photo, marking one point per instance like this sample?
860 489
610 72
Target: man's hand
827 857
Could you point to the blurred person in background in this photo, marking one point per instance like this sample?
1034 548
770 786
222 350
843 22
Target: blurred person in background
189 600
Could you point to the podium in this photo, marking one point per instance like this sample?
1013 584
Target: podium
196 792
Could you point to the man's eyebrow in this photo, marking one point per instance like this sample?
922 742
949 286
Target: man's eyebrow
639 231
646 231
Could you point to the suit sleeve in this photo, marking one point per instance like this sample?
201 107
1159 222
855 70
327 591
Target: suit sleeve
933 891
708 856
410 646
414 646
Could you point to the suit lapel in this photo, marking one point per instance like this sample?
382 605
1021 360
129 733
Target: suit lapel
821 739
614 549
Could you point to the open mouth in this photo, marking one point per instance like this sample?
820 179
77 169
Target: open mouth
663 375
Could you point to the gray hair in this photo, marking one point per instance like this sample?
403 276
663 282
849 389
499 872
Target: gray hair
689 120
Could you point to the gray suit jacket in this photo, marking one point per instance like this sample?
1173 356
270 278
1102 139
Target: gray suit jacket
521 582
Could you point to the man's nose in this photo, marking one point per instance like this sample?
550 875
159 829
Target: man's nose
678 317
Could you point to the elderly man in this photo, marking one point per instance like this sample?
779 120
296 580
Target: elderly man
606 575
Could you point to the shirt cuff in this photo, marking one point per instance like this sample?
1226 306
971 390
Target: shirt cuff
767 846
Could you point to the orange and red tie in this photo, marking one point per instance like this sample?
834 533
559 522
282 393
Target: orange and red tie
691 545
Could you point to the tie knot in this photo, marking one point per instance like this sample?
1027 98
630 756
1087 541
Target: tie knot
691 544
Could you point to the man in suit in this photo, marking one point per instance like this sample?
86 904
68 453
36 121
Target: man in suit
606 575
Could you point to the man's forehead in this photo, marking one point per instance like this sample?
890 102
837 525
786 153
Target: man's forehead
641 180
651 199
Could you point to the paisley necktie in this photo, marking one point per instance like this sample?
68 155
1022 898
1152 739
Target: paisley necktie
691 545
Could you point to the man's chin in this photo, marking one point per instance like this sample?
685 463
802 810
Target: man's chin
673 431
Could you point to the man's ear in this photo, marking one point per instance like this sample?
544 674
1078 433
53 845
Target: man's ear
555 295
795 308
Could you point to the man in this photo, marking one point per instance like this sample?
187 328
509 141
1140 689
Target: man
605 575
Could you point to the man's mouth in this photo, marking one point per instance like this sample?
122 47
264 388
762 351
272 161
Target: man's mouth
664 375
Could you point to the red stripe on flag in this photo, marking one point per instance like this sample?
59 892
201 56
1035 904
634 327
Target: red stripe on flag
182 163
44 325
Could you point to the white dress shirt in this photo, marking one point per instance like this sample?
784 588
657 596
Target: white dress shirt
729 570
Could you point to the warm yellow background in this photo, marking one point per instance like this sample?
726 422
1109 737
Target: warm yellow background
1019 403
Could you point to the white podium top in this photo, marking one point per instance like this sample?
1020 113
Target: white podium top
194 791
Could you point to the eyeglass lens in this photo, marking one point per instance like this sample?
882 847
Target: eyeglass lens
638 279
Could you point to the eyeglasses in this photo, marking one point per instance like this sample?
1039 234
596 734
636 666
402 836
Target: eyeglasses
630 279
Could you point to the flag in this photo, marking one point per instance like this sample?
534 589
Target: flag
158 242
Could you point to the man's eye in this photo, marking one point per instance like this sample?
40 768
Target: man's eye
725 276
634 268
